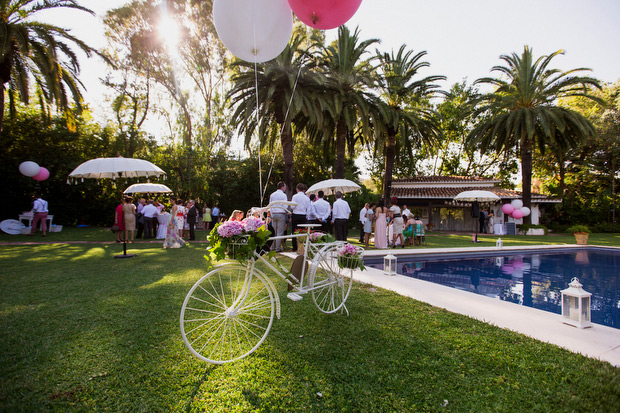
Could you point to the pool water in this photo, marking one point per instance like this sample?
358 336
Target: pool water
534 280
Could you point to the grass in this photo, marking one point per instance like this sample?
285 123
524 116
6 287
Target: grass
80 331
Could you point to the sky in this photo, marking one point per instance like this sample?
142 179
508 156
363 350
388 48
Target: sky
463 38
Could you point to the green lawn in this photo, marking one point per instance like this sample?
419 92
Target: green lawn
81 331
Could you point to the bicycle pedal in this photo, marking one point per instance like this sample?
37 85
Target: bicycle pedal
294 297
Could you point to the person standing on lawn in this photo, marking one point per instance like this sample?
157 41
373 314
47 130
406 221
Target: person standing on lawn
279 214
39 211
323 210
191 219
299 210
363 213
340 218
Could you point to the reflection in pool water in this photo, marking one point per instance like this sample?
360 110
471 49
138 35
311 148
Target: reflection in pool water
534 280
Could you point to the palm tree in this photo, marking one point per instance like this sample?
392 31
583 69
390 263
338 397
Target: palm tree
346 100
407 117
524 110
272 96
31 50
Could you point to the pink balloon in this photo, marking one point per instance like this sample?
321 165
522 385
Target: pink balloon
507 209
324 14
42 175
517 214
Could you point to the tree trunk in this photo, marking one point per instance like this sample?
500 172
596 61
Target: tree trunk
1 105
286 140
390 154
526 177
341 135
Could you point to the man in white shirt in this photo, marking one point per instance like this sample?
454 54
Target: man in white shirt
39 210
405 213
323 209
299 210
150 214
341 217
311 216
279 214
363 213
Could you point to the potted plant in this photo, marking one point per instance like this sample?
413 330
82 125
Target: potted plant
237 240
581 233
350 256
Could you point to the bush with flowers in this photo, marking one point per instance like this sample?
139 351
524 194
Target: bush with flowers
237 239
350 256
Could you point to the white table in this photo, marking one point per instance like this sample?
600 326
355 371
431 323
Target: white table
29 218
162 220
498 229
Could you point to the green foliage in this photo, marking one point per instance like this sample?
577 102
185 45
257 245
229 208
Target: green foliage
578 229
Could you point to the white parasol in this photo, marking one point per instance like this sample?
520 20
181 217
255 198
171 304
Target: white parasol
118 167
477 195
331 186
148 189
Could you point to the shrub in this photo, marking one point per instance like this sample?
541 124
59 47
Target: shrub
575 229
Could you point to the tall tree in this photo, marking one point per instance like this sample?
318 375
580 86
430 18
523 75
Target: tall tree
407 114
31 50
525 112
347 98
270 97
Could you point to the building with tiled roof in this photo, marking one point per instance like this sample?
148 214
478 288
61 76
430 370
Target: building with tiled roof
432 197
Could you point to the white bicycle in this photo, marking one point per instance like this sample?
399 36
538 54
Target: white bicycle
228 313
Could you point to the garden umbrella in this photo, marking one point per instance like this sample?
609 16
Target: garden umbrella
477 196
331 186
118 167
148 189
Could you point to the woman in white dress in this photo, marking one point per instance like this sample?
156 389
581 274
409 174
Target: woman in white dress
397 223
172 237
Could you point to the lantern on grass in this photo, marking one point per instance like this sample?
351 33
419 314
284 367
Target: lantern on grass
576 305
389 265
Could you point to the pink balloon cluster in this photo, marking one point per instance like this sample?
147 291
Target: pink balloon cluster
259 30
34 171
515 209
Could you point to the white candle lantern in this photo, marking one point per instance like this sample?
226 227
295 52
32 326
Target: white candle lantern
389 265
576 305
499 243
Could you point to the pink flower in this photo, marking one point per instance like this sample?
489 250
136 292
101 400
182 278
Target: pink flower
348 250
252 224
230 228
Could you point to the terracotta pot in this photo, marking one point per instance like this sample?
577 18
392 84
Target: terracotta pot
582 238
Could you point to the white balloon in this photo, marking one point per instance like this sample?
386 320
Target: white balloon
517 203
526 211
29 168
253 30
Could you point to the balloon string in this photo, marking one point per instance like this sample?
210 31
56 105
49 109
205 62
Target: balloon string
261 192
290 102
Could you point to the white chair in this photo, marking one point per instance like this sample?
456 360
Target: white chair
162 220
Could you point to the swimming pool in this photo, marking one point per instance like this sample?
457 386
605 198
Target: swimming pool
526 278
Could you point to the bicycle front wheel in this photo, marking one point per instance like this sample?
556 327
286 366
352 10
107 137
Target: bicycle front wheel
227 314
330 286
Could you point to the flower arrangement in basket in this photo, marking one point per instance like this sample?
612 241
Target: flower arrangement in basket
350 256
317 239
237 239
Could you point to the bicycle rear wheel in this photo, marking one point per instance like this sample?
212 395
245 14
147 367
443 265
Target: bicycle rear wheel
227 314
330 287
